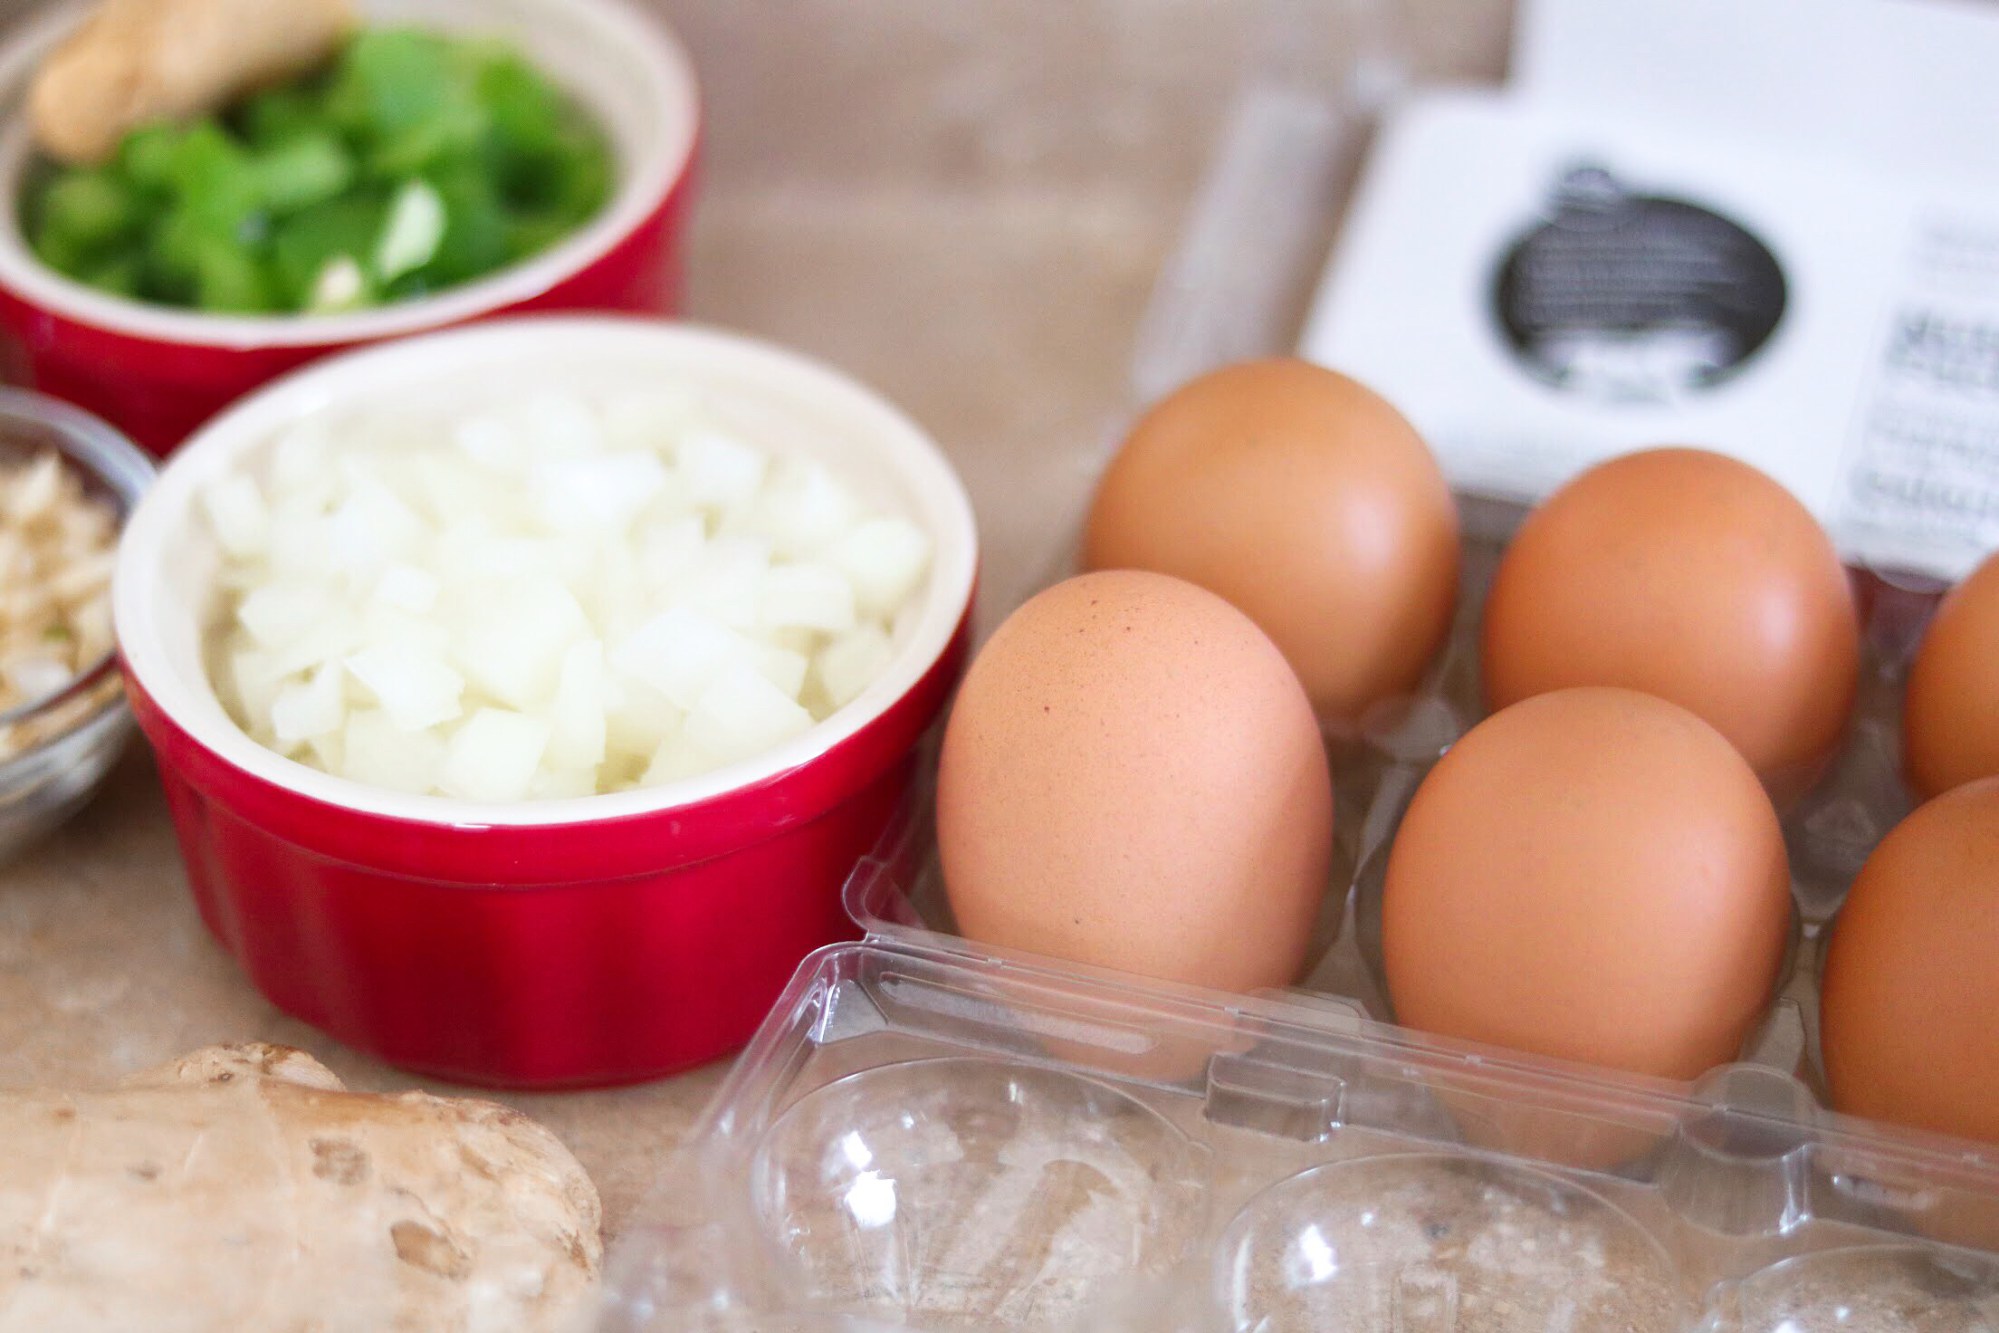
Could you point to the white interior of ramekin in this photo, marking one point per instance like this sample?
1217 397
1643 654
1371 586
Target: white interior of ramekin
165 601
619 63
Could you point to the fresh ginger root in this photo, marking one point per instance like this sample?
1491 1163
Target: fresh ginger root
242 1188
135 61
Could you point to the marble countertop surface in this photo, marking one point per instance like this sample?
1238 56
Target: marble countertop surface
967 206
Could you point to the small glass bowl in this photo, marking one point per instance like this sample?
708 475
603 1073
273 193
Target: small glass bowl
77 733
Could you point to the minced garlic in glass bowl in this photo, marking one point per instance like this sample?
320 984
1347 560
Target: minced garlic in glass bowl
57 546
67 483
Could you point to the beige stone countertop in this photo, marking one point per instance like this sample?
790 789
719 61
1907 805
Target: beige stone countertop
964 203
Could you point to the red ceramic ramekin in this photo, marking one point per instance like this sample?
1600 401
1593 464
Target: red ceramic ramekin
158 373
536 944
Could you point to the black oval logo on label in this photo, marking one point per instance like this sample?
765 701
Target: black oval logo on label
1636 298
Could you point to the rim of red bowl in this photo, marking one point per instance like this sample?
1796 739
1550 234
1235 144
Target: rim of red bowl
666 86
149 547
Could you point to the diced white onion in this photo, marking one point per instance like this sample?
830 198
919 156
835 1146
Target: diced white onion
576 712
508 637
726 583
885 558
237 512
680 652
277 613
804 508
407 588
415 688
742 714
309 708
547 597
850 663
677 757
721 471
493 756
807 595
784 668
382 754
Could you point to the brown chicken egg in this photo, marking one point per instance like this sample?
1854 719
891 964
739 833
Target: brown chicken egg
1592 874
1950 710
1131 777
1909 1002
1692 576
1306 500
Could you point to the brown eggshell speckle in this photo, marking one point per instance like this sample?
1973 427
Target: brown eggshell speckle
1909 1010
1692 576
1950 717
1132 777
1310 503
1594 875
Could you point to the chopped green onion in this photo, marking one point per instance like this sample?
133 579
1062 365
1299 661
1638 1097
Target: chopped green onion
122 276
148 155
341 285
303 244
415 159
278 115
307 169
90 210
412 233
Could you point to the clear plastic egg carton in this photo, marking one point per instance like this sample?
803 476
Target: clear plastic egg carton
933 1134
930 1137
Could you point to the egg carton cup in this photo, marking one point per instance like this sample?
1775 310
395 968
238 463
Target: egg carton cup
933 1133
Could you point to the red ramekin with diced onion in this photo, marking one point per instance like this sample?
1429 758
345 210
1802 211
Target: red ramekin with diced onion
157 373
546 943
